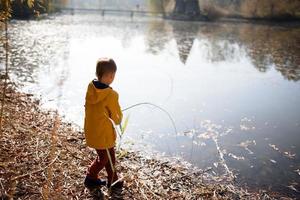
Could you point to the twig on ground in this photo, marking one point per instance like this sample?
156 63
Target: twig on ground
36 171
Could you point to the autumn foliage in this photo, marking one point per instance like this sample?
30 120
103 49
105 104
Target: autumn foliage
254 9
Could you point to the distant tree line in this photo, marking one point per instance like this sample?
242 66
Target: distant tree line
250 9
254 9
25 9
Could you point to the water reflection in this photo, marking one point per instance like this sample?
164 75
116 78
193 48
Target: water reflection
226 85
220 44
32 50
273 45
267 46
153 32
184 34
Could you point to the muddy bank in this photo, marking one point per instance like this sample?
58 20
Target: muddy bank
44 157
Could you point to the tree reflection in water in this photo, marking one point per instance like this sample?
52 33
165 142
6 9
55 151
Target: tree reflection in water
154 40
265 45
184 34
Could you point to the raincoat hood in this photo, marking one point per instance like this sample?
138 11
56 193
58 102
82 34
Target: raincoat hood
97 92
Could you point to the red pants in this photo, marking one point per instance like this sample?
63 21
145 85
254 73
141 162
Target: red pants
102 161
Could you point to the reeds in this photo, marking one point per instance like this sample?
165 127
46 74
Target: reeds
5 44
47 188
5 10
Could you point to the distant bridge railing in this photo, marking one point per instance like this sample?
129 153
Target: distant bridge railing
104 11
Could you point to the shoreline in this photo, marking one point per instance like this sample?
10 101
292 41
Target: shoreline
202 18
43 157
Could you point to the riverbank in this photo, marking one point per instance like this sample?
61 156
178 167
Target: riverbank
43 157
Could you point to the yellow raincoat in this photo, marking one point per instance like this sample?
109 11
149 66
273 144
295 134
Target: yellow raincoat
101 106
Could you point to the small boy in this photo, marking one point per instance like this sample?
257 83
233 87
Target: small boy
102 106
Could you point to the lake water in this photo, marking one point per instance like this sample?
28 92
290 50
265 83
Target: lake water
232 89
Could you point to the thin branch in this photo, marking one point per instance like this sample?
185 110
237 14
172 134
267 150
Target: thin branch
5 78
